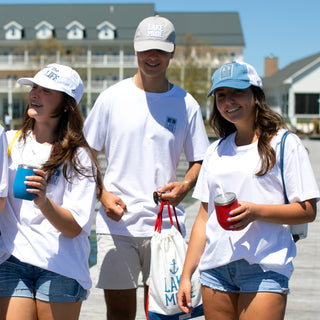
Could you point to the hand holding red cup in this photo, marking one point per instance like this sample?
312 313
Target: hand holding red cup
223 204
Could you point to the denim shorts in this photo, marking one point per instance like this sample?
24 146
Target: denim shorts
19 279
240 276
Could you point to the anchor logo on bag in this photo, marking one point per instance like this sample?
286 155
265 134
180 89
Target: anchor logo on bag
174 270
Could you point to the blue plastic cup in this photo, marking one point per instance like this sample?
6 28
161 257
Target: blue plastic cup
19 187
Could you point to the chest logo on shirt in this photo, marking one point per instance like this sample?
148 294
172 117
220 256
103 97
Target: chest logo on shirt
171 124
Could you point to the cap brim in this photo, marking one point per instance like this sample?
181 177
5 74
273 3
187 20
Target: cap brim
25 81
236 84
40 81
140 46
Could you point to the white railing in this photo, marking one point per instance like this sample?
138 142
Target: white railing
73 60
12 61
99 85
130 59
7 85
105 59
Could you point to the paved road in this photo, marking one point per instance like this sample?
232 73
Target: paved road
303 301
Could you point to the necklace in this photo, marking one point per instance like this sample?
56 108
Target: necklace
168 83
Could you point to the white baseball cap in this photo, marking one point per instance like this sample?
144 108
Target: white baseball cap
57 77
155 33
238 75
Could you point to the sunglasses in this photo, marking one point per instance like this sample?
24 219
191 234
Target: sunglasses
156 197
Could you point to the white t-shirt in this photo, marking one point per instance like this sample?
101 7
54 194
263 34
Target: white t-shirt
3 164
230 168
143 135
29 236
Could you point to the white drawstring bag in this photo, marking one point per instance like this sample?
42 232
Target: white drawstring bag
168 251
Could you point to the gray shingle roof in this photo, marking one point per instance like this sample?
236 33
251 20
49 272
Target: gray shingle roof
279 77
124 17
214 28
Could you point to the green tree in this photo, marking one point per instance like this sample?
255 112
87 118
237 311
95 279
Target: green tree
189 68
45 47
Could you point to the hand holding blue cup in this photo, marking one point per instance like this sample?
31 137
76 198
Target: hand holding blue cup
19 187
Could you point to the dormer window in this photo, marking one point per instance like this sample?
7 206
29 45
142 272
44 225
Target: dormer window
44 30
13 31
106 30
75 30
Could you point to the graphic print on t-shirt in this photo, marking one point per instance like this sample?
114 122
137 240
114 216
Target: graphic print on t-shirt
171 124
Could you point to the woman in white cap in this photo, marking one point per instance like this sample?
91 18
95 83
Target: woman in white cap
245 269
44 273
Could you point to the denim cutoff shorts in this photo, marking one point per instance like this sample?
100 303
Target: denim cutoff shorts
19 279
241 277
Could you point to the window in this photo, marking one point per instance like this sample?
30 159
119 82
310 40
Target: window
44 30
75 30
307 103
106 30
13 31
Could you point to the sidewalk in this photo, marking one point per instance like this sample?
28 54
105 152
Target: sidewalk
303 301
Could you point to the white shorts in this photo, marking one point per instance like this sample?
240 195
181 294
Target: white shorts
120 260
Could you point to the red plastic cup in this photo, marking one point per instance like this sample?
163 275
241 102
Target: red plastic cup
223 204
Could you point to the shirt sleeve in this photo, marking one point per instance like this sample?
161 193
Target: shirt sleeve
299 177
80 195
197 142
201 190
3 164
95 128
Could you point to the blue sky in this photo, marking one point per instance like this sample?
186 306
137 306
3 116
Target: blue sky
287 29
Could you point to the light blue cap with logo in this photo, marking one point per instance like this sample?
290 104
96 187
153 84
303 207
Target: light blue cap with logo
237 75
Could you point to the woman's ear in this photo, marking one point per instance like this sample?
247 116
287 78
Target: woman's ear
172 53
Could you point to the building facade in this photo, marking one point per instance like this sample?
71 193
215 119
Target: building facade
294 92
97 41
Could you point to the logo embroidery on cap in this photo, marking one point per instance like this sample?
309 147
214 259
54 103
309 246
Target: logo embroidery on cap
51 75
155 30
226 71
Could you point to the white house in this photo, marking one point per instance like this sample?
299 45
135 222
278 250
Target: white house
294 91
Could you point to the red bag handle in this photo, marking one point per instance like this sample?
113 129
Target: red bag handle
158 224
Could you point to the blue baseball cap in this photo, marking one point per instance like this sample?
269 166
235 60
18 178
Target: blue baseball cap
238 75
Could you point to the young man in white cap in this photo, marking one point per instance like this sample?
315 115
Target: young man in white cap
143 124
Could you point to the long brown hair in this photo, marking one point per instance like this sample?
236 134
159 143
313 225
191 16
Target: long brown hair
70 137
267 123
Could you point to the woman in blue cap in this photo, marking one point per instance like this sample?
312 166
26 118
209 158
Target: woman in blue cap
245 269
